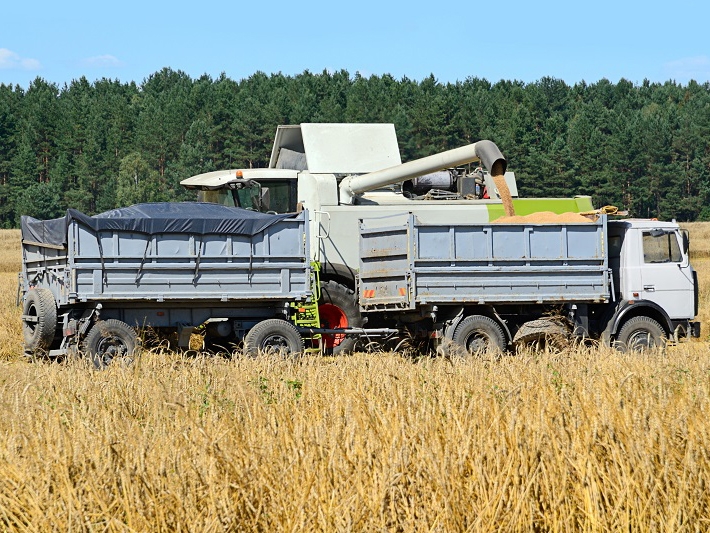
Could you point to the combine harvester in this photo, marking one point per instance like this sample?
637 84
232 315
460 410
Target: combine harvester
343 173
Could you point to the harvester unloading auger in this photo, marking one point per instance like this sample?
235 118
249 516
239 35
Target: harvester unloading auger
485 151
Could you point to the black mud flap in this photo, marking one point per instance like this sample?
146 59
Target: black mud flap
694 329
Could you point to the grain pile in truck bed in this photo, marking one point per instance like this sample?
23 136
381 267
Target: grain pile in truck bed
544 216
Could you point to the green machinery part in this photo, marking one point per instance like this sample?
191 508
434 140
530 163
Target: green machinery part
305 314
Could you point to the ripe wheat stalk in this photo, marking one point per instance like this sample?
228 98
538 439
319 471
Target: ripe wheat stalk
582 439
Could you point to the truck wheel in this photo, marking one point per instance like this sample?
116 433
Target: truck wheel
111 340
39 320
479 334
273 336
640 333
338 309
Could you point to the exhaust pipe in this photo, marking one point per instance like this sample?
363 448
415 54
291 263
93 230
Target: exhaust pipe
485 151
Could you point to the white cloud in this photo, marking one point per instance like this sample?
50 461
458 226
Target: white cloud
102 61
689 68
12 60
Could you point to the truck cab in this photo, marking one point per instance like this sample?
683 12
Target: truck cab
652 274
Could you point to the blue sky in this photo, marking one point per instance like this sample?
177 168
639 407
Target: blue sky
496 39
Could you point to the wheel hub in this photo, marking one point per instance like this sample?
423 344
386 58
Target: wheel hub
477 342
111 347
274 343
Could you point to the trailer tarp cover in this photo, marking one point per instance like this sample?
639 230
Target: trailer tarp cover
166 217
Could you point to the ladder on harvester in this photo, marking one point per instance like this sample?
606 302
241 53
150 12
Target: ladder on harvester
306 314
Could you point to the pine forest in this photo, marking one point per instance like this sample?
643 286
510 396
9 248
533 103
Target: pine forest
98 145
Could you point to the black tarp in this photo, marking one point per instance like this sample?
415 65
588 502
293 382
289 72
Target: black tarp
166 217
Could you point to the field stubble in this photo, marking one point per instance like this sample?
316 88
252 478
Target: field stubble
580 440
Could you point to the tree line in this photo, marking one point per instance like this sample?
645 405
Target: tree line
97 146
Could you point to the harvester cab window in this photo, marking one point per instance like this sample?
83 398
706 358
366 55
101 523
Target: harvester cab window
280 197
248 197
661 247
273 196
220 196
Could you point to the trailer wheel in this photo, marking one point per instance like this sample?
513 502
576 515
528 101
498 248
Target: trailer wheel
479 334
273 336
338 309
39 320
111 340
640 333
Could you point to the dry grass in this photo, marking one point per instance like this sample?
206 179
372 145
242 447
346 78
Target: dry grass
699 238
588 440
10 256
10 261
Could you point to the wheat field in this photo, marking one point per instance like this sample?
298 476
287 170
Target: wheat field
582 440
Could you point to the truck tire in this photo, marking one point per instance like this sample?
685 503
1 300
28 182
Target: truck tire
338 308
39 320
480 334
640 333
273 336
111 340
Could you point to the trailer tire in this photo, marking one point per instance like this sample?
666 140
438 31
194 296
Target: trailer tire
273 336
39 322
111 340
640 333
479 334
338 308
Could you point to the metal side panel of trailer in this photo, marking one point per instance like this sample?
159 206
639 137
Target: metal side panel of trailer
122 265
407 264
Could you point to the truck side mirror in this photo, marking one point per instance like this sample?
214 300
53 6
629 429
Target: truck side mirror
686 241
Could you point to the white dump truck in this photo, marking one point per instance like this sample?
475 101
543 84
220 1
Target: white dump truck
342 173
626 283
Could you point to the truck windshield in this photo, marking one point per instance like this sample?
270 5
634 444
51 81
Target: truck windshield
661 247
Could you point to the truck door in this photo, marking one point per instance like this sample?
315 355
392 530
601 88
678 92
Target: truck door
666 274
